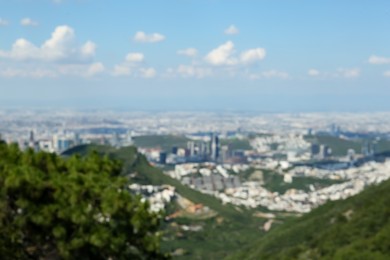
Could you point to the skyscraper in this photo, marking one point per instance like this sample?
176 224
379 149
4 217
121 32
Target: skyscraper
214 147
191 147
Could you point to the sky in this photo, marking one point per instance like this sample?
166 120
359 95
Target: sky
264 55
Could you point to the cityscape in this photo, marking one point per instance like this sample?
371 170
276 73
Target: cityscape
197 129
209 152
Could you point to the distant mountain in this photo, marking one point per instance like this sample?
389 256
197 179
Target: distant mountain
356 228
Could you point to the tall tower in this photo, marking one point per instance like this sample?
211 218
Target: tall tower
31 139
191 147
214 147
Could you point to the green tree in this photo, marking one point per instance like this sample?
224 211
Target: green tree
78 208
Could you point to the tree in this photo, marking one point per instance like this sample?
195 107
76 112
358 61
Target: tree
76 208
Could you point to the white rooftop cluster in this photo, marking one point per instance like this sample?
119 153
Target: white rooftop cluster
251 194
157 196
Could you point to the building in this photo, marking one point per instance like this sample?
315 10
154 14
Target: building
163 158
214 147
320 152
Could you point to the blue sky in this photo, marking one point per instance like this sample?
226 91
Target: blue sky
196 55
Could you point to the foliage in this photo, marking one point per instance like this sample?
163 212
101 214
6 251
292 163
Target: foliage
217 239
76 208
357 228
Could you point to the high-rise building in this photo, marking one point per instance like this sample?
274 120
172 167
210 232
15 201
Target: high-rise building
214 147
315 150
32 143
163 158
31 139
191 148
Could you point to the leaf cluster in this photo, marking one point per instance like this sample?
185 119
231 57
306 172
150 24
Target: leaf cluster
76 208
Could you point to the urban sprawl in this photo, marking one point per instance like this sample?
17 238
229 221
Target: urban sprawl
227 155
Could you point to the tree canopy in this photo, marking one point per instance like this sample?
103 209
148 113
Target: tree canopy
76 208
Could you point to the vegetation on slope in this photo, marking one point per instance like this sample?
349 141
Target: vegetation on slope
221 236
78 208
356 228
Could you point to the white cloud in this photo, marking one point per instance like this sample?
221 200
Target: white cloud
53 70
147 72
269 74
135 57
387 74
252 55
60 47
189 52
122 70
28 22
348 73
151 38
313 72
377 60
275 74
131 67
125 70
222 55
187 71
57 56
231 30
88 49
94 69
3 22
27 73
81 70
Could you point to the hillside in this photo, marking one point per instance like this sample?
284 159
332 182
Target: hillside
146 174
222 235
356 228
73 208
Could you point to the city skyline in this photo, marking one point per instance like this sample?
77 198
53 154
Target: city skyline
195 55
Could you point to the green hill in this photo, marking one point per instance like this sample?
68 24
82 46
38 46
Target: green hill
149 175
356 228
226 233
71 208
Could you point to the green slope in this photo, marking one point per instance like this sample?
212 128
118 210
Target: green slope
146 174
356 228
221 236
150 175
